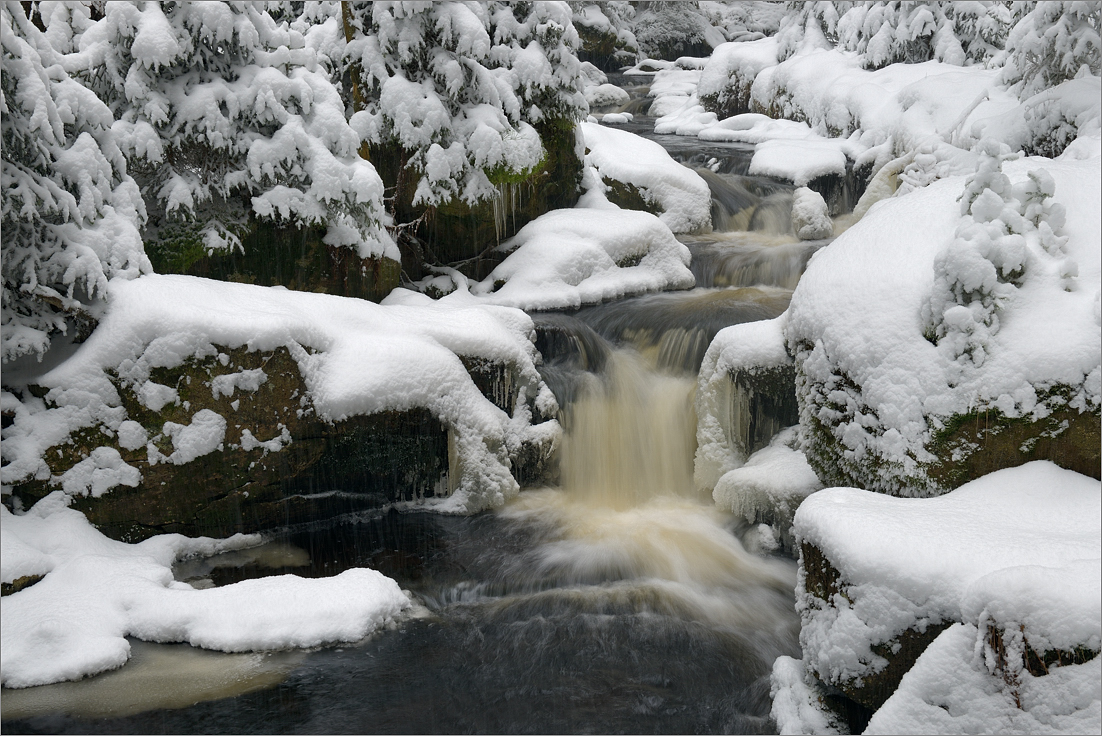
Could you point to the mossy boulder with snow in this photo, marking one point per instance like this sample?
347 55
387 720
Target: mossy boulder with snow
455 231
209 408
1010 561
193 478
942 337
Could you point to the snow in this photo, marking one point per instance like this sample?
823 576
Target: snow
880 274
101 471
769 487
828 108
798 161
810 216
96 592
949 692
605 95
969 556
617 118
682 196
355 357
203 436
796 707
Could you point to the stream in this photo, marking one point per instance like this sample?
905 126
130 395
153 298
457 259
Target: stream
619 601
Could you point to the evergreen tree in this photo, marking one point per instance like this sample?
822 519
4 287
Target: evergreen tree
1052 43
70 213
460 87
224 113
898 31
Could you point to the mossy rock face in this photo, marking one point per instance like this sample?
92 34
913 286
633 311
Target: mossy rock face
603 49
630 197
294 257
975 444
965 446
325 469
823 581
465 236
19 584
733 99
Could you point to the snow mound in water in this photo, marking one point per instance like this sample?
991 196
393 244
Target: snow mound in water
769 487
810 216
96 592
682 196
605 95
563 259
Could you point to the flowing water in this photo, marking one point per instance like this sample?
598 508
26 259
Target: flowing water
618 601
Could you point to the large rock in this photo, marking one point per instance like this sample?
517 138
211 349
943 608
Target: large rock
288 466
1013 556
208 408
885 405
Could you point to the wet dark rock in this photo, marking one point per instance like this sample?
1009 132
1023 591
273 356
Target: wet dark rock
765 403
842 191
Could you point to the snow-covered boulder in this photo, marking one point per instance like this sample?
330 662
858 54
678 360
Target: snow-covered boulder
768 489
674 192
195 400
1007 563
941 338
727 77
745 395
605 95
810 216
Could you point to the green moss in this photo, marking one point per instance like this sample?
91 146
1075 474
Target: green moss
19 584
370 460
602 49
271 255
630 197
178 247
966 446
979 442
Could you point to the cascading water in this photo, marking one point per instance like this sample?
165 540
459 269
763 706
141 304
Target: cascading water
617 602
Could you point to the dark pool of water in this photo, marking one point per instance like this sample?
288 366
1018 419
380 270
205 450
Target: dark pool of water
496 649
